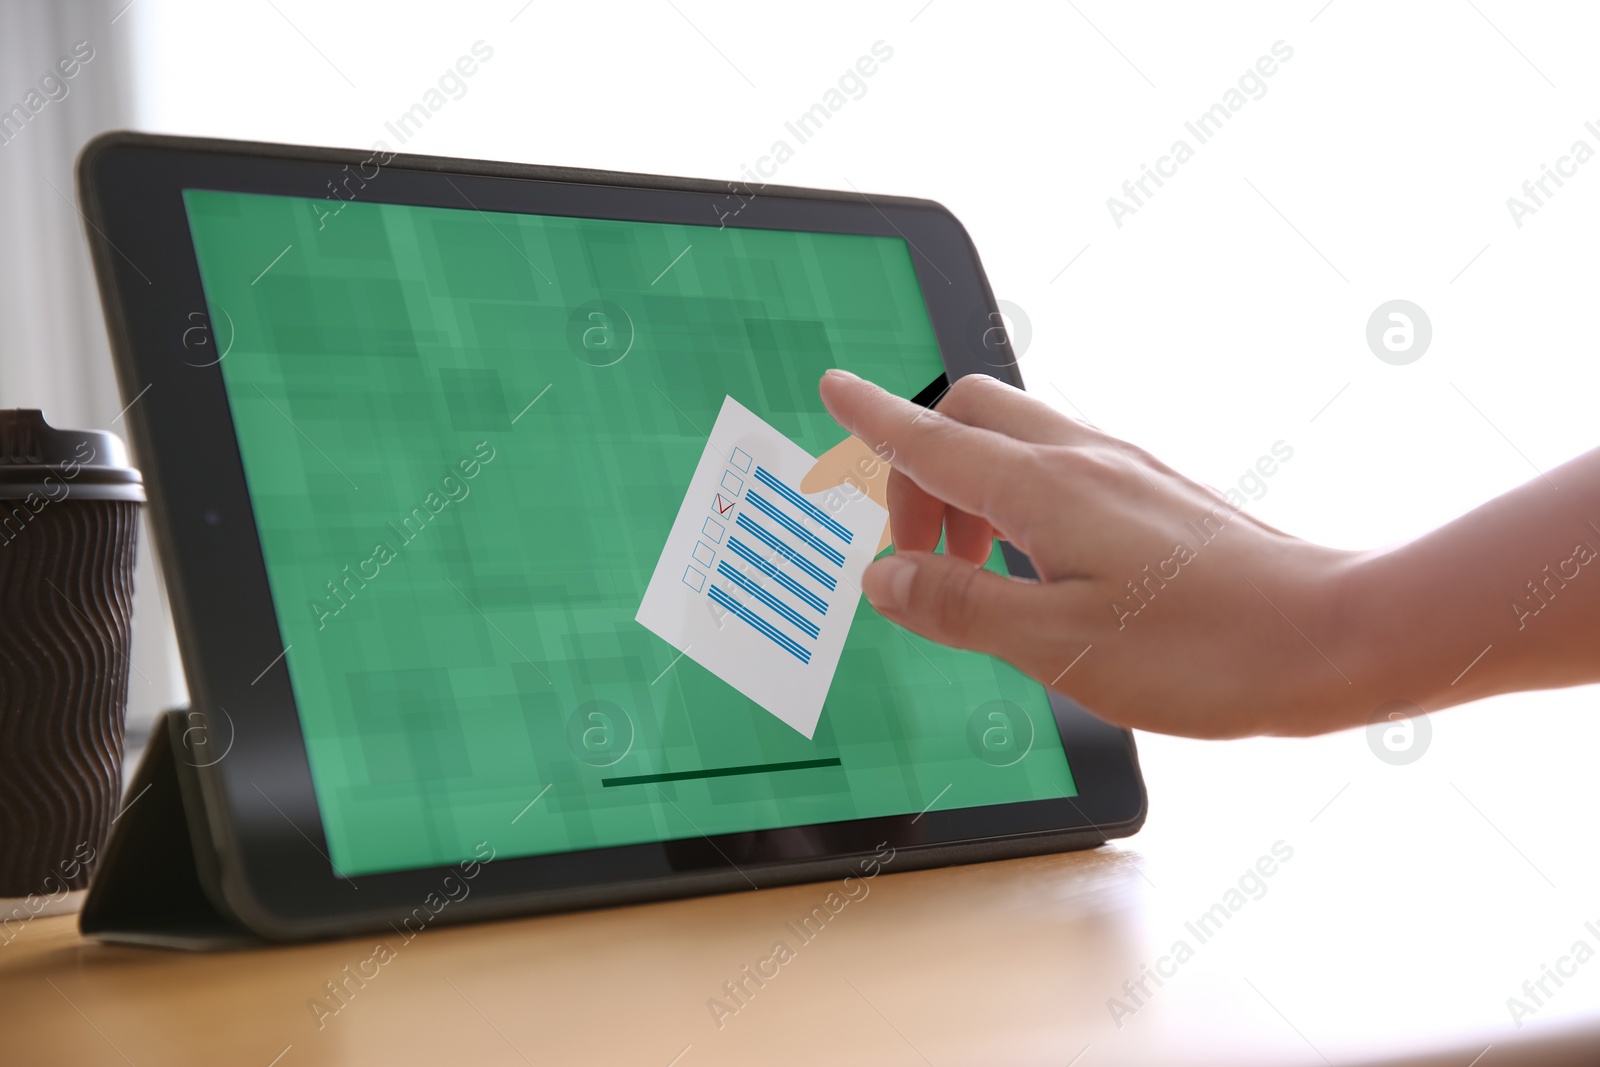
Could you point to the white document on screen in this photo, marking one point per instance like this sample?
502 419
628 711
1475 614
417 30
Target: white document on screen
759 582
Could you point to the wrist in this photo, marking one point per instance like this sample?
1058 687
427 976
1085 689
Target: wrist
1399 633
1342 605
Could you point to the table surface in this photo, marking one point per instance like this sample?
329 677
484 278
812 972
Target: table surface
1413 903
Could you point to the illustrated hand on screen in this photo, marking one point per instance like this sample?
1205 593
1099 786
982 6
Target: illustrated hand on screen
852 464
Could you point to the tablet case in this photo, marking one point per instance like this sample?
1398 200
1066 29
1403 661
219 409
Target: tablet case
156 882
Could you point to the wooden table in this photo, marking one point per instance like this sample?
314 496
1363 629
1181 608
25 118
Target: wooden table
1416 900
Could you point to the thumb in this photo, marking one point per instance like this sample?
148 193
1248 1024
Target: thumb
948 600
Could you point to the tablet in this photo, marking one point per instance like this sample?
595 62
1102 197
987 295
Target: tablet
486 498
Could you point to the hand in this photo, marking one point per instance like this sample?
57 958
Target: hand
1159 604
852 463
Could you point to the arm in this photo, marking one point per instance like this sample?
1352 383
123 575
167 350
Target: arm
1162 606
1517 579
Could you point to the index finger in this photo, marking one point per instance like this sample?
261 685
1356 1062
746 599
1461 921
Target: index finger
978 471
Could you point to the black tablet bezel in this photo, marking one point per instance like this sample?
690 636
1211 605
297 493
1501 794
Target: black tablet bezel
265 826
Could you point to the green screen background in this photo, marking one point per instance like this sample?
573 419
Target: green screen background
493 658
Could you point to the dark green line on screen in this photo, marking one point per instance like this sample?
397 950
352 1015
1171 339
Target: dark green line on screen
720 772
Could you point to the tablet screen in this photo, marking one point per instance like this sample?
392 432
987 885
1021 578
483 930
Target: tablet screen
553 557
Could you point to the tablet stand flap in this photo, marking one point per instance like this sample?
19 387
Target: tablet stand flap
147 887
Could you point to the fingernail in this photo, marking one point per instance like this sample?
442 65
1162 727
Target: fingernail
836 372
887 583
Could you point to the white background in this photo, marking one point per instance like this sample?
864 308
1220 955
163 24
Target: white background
1222 317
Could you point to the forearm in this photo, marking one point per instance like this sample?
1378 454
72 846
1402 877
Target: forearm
1505 598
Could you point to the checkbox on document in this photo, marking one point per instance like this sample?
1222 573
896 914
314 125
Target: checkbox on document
732 483
722 504
704 553
695 579
741 459
712 531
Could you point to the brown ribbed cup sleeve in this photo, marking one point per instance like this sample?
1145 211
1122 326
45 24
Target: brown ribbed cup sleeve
66 608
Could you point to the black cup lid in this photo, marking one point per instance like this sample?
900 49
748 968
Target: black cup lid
37 458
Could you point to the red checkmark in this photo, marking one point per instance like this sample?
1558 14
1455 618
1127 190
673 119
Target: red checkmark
723 509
